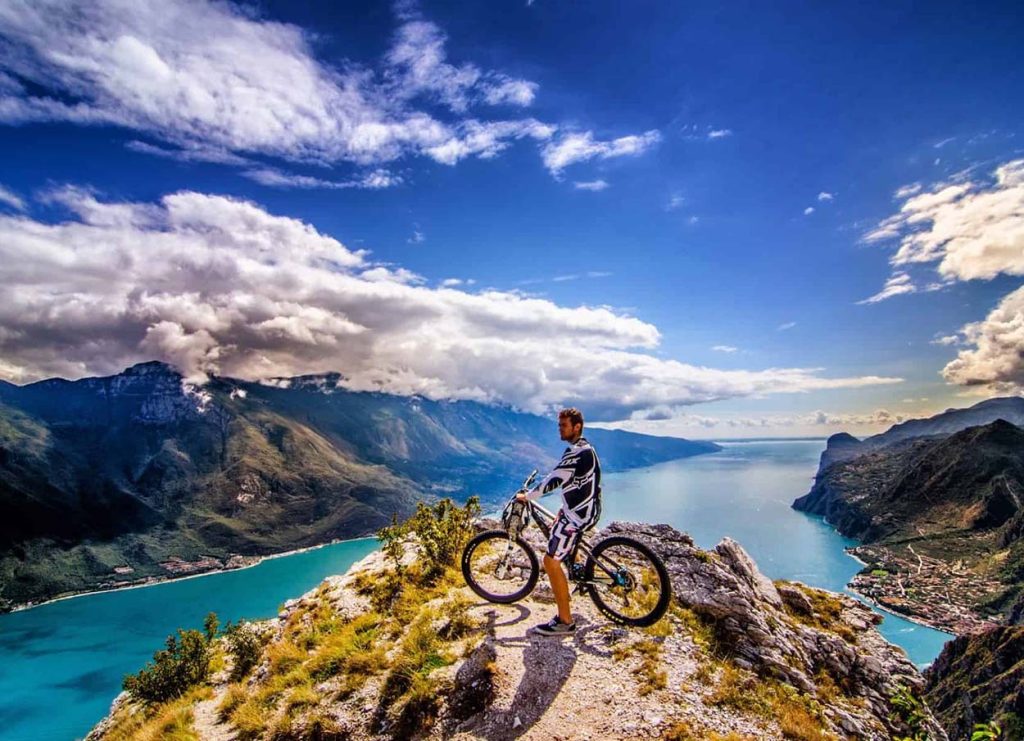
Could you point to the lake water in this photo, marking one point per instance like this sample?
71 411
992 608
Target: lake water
61 664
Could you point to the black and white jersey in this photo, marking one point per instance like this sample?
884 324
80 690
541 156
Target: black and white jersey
579 475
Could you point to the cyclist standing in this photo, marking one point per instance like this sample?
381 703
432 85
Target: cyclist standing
579 475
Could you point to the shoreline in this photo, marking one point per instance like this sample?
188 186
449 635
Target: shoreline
909 618
157 580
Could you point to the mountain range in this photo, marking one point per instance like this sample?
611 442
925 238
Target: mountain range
140 475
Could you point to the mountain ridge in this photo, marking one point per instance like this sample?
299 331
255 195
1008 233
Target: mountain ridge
107 480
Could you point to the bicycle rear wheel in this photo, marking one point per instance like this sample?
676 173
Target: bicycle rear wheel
498 568
627 581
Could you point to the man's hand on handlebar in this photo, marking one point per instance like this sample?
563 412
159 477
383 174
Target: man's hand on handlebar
521 495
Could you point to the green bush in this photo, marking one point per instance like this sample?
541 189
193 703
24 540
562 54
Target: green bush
175 669
908 710
441 529
245 643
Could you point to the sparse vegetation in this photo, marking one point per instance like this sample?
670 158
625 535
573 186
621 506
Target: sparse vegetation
800 716
826 612
650 676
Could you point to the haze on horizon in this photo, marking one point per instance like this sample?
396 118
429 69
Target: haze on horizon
704 221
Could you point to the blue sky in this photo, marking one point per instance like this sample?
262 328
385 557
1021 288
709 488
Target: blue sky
714 176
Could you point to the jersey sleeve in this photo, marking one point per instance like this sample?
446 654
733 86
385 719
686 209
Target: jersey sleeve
558 476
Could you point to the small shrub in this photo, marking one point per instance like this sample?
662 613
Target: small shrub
441 530
245 642
909 711
183 664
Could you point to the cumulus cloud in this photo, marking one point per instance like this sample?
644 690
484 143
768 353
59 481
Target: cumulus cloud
12 199
972 230
995 358
219 285
824 196
594 185
809 210
217 82
786 325
725 348
582 146
719 133
898 284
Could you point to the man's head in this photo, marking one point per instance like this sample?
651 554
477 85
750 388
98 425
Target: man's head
570 424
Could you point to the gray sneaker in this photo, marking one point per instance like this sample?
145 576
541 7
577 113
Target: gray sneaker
555 627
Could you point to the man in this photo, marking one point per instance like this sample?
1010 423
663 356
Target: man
579 475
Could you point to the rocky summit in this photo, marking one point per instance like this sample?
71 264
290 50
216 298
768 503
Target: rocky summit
367 655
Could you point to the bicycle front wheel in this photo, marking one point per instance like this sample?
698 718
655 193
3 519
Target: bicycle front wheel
498 568
628 581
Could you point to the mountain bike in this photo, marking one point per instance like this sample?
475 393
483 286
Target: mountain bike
627 581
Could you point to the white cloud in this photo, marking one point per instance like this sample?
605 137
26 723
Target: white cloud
693 220
580 147
971 230
823 196
905 191
677 420
417 237
11 198
417 66
272 177
725 348
719 133
996 358
217 82
674 201
785 326
219 285
594 185
809 210
899 283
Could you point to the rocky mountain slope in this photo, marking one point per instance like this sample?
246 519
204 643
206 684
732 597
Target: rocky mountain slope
979 678
943 514
106 481
371 656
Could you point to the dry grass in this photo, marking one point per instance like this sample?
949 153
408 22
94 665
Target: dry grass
170 721
799 716
649 675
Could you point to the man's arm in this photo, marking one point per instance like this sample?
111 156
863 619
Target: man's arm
558 476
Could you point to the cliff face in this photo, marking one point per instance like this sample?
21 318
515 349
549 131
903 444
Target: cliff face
140 473
980 678
941 519
971 480
364 656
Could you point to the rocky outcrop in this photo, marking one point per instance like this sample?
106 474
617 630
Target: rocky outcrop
606 682
768 627
977 679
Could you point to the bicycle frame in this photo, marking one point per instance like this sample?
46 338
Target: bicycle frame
545 519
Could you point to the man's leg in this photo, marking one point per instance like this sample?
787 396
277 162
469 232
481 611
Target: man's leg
560 586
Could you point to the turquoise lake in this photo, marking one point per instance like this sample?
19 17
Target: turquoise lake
61 663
